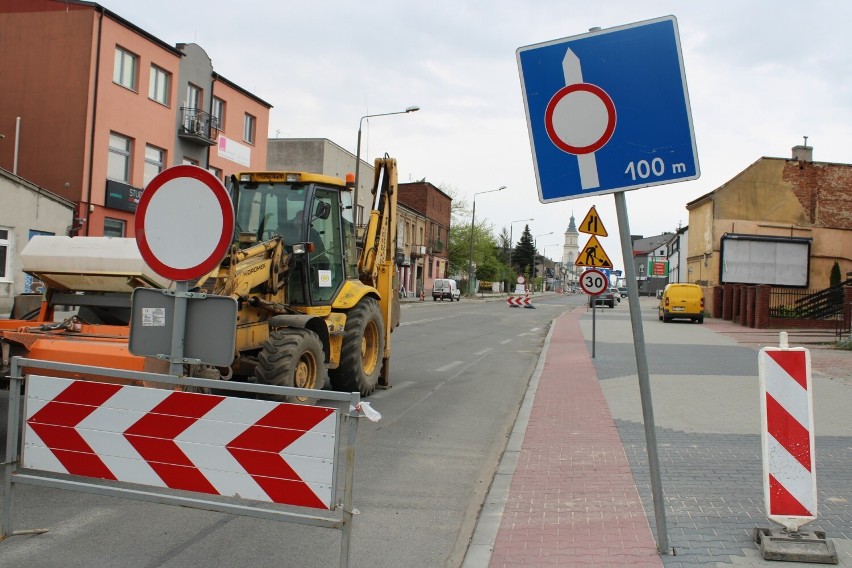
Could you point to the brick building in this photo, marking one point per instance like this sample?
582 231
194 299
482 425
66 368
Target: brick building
783 222
426 236
96 107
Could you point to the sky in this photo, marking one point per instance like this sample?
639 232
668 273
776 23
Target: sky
761 76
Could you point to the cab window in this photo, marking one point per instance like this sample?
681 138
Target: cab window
326 261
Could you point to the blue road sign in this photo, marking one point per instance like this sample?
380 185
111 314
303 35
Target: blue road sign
608 110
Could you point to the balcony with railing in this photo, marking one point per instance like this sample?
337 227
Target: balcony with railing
198 126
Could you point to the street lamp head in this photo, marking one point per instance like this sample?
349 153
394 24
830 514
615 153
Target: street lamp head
501 187
412 108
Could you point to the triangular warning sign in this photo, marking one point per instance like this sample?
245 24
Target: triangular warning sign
593 255
592 224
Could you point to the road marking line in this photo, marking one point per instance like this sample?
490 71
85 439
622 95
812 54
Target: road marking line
505 341
484 351
448 366
396 388
427 320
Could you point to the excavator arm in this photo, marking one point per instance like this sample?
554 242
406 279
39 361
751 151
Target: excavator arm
376 263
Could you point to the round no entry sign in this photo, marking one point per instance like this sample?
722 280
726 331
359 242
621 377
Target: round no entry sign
184 223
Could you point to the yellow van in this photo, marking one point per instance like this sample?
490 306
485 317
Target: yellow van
682 301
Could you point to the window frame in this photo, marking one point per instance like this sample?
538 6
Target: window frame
160 165
126 153
119 73
154 85
249 128
218 110
6 244
119 223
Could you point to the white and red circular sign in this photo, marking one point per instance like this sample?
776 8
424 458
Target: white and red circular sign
580 118
184 223
593 282
520 280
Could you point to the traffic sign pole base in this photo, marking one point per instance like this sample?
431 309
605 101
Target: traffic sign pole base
801 546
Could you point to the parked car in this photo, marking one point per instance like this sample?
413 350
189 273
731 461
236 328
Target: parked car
622 291
682 301
445 288
615 293
607 298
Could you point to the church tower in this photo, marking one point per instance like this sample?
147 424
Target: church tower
570 251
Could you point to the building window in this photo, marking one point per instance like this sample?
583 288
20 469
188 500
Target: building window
5 255
216 172
249 126
158 89
124 71
189 161
193 97
218 113
155 162
192 105
118 165
114 227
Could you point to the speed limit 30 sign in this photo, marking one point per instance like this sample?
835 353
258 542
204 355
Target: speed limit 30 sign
593 282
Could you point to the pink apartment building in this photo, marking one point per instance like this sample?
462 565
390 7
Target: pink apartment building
92 107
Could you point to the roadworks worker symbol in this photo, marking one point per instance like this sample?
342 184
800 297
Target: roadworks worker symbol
593 255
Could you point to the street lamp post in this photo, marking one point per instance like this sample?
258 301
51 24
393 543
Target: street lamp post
358 153
470 249
535 252
544 261
511 241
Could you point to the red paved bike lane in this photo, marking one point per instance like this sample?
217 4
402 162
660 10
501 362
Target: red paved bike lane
572 500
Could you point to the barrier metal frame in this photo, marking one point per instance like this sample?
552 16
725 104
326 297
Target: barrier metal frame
342 512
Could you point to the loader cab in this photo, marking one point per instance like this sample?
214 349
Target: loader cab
313 215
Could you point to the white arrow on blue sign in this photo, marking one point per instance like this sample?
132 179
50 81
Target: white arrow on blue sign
608 110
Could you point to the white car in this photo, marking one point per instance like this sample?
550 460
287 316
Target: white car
445 288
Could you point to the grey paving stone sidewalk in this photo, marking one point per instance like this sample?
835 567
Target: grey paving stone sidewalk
706 407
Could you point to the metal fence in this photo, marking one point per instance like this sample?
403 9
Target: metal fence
817 305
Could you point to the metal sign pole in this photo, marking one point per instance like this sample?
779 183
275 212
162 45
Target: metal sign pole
178 329
642 369
594 310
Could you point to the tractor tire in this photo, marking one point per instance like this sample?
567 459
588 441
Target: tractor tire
292 357
362 350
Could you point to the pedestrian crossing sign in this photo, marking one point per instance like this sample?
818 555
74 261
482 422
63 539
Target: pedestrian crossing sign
593 255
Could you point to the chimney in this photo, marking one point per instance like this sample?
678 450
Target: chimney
803 153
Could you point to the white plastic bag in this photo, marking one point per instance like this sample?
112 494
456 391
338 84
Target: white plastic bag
368 411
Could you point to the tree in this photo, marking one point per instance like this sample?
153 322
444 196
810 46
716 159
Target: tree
523 256
834 277
505 247
459 251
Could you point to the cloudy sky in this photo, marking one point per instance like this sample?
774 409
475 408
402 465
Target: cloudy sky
761 76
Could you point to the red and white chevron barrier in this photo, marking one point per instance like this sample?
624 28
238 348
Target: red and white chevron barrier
787 435
518 301
259 450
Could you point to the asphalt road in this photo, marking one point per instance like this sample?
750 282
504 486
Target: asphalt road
459 371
